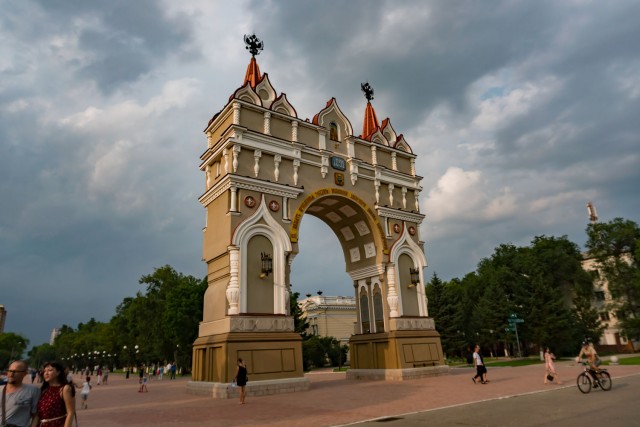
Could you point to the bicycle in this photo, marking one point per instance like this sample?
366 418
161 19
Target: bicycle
590 378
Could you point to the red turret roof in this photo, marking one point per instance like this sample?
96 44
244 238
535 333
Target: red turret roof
253 74
370 121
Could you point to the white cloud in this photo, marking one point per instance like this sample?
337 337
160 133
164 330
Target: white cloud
462 195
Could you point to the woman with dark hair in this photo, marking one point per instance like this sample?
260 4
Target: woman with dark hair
241 378
57 405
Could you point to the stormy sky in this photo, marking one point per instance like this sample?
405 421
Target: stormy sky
520 113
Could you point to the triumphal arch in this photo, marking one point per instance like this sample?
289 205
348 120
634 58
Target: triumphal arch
265 169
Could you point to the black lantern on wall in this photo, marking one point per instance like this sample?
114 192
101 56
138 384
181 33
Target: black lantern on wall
414 274
267 264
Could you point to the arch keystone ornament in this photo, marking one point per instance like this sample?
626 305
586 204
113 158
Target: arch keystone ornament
275 172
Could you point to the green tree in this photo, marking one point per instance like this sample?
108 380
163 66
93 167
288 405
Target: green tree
40 354
12 346
616 248
300 323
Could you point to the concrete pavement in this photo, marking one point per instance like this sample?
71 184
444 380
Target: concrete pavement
331 401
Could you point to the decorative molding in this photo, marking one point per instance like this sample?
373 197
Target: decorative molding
411 324
248 183
366 272
391 213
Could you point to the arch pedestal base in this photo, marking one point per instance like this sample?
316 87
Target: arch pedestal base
396 355
269 356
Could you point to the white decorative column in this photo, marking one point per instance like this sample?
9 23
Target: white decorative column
324 165
233 288
234 199
376 184
209 140
276 166
353 171
416 194
267 123
236 151
374 155
208 174
394 161
296 166
391 187
285 208
294 131
404 197
413 167
256 166
322 140
225 154
236 113
392 297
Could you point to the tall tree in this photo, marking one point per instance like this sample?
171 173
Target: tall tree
616 247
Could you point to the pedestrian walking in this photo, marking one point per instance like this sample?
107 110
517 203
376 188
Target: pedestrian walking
550 368
143 383
481 369
57 405
241 378
84 393
19 400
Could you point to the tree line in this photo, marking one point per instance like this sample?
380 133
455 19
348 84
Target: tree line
545 286
156 326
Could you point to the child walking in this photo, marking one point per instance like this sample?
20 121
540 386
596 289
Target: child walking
84 393
143 383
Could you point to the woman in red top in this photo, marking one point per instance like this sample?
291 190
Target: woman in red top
57 405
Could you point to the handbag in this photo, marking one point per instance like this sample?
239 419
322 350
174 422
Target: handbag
549 377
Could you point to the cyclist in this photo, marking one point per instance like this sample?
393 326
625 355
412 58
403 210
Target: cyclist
590 353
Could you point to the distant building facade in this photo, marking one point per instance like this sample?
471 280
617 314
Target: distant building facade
612 338
54 334
330 316
3 317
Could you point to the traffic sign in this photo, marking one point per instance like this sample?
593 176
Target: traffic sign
511 320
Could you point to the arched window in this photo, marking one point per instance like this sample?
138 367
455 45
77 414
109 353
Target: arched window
377 310
333 131
364 313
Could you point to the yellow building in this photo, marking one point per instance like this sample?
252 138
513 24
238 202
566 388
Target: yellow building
330 316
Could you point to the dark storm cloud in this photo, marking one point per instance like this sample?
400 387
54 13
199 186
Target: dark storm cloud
123 39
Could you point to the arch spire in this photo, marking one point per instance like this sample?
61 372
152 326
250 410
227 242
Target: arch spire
370 124
254 45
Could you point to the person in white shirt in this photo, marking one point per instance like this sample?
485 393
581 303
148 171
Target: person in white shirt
84 393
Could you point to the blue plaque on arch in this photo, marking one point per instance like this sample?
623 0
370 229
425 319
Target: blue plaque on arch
338 163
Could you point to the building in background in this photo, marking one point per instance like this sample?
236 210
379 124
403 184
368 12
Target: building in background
54 334
330 316
612 338
3 316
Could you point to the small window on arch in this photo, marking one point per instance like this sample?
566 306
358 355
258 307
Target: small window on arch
333 131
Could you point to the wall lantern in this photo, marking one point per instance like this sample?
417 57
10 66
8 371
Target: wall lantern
267 264
415 277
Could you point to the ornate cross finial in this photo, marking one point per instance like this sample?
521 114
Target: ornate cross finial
368 90
254 44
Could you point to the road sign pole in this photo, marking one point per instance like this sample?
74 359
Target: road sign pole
517 340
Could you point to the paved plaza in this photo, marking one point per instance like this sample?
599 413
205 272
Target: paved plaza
331 401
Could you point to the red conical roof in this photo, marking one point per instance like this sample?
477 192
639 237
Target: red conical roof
370 121
253 73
